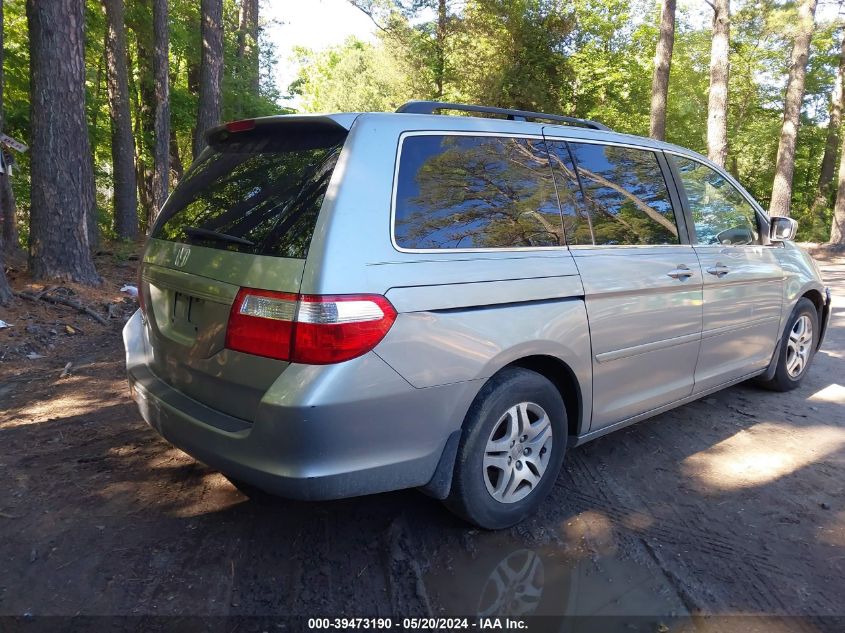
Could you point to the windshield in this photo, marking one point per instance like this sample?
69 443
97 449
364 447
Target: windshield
260 194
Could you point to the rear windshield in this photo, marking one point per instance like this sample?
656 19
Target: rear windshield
257 192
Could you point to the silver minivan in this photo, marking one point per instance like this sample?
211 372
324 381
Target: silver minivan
347 304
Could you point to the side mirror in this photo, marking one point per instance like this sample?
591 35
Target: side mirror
782 229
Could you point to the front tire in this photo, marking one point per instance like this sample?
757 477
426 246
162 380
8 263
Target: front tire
511 450
797 347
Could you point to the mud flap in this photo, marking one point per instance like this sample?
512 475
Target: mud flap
441 483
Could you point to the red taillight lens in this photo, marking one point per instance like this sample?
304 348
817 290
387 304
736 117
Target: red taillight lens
261 323
243 125
332 329
309 329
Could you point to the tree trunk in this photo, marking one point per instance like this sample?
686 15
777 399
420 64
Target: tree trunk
61 174
8 211
146 117
161 125
662 66
785 165
93 219
832 143
440 71
122 141
837 227
248 44
717 99
9 242
6 295
193 80
137 128
176 167
211 70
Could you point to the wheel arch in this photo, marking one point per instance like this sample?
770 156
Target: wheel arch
556 371
561 375
816 297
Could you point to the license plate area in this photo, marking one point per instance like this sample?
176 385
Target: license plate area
184 317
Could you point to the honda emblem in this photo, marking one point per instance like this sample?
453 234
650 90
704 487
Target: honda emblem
182 256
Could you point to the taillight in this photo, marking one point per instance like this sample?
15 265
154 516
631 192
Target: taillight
309 329
261 323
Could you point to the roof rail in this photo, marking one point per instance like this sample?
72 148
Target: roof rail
430 107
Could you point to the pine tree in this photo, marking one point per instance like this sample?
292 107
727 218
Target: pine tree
211 70
662 66
125 198
785 163
61 172
717 99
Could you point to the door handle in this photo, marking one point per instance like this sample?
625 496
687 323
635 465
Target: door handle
681 272
720 270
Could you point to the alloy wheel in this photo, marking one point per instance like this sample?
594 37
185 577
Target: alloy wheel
799 346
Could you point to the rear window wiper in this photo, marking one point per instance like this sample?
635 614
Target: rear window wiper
194 231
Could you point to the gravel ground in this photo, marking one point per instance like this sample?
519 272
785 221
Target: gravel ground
733 505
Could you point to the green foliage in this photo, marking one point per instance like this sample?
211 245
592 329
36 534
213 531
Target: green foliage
593 59
16 100
238 99
352 77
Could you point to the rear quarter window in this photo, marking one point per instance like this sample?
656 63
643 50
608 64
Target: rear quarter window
467 192
260 194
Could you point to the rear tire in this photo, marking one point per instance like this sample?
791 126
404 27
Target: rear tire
511 451
797 348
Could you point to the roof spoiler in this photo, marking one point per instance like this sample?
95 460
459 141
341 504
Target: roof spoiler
245 130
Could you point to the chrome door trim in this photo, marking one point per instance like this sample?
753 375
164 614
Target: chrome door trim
582 247
720 282
644 348
736 328
592 141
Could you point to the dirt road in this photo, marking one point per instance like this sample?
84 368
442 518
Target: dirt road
730 505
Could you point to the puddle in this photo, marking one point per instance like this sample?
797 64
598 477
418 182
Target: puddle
497 577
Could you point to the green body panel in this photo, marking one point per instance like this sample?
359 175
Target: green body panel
188 310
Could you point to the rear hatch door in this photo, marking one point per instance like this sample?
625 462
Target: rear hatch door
243 216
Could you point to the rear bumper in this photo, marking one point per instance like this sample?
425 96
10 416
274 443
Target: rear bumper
322 432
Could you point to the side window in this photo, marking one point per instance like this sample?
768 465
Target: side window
720 213
626 195
475 192
577 225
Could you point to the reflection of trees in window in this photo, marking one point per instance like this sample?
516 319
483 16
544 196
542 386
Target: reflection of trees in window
721 214
626 194
577 224
269 198
475 192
